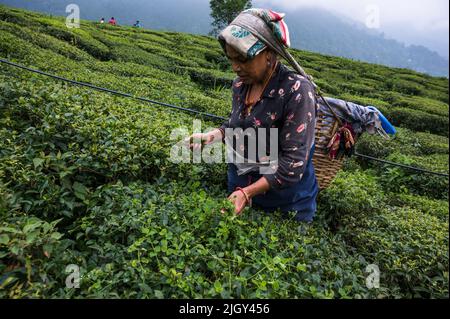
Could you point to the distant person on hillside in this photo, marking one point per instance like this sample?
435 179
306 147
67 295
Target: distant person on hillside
137 24
271 99
112 21
102 20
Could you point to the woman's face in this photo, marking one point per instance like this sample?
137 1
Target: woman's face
250 71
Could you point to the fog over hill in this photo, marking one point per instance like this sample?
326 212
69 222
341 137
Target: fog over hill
312 28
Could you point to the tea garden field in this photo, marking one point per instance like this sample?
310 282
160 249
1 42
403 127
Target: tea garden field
86 180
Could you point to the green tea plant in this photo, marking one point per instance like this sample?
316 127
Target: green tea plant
86 178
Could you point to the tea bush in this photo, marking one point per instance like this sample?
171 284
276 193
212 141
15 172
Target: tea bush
346 196
423 104
185 247
418 120
405 86
405 141
390 236
86 178
407 243
27 245
401 180
438 208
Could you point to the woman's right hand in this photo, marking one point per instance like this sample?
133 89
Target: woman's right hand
197 140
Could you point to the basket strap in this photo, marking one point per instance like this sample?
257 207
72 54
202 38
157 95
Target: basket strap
288 56
331 109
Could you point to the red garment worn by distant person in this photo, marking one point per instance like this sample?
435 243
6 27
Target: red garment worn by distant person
112 21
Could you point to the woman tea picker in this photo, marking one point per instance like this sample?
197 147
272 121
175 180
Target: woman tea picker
267 95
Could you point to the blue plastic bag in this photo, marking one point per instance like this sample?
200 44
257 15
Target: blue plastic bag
387 126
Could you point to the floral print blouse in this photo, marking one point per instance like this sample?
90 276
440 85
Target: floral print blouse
289 104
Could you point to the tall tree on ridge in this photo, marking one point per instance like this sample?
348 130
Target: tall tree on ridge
224 11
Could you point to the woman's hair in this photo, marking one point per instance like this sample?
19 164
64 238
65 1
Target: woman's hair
275 54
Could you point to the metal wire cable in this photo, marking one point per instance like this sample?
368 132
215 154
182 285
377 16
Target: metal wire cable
179 108
400 165
113 91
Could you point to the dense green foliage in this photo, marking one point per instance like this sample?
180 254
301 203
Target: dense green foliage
85 178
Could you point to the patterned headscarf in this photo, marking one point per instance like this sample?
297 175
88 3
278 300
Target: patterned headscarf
246 40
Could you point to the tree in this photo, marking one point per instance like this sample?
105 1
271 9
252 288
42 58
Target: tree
224 11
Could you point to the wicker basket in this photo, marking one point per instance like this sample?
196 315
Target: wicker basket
325 168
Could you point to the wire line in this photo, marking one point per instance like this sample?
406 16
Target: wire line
179 108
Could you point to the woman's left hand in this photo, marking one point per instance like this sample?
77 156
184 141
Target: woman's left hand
239 200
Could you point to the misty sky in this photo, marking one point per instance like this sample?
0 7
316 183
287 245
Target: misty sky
410 21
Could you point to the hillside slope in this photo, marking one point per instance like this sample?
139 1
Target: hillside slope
85 177
311 29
